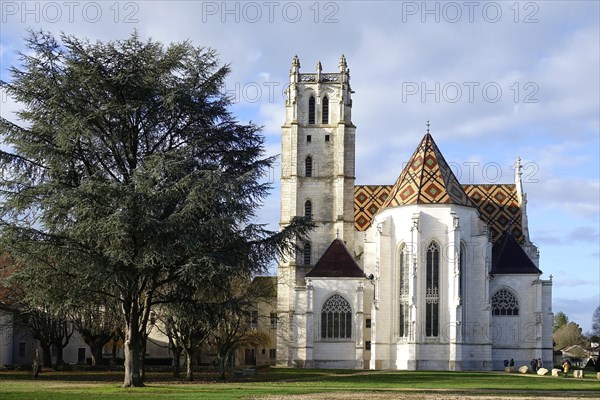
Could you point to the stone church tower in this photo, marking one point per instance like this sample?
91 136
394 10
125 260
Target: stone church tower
317 179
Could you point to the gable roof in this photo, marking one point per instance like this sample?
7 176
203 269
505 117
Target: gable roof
508 257
427 179
336 262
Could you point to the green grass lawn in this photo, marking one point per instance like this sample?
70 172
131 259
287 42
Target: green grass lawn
105 385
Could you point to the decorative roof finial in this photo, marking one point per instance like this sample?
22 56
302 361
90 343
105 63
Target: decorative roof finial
337 233
428 125
295 65
343 64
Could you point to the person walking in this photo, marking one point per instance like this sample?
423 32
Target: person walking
566 365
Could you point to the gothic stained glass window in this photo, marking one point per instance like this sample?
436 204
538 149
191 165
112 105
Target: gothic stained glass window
432 295
403 306
504 302
311 110
461 272
336 318
325 110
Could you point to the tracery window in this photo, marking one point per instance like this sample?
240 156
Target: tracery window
325 110
403 305
504 302
336 318
311 110
432 294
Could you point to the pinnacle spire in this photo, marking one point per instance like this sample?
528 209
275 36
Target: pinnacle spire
342 64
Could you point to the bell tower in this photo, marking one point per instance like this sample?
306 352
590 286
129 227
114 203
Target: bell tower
317 178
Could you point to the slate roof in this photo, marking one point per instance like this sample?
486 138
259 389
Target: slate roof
427 179
336 262
508 257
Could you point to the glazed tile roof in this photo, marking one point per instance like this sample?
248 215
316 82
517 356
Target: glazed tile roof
497 203
427 179
336 262
498 207
368 199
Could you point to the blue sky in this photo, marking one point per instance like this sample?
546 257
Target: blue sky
497 80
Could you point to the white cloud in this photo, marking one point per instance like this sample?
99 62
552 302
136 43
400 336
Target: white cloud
388 51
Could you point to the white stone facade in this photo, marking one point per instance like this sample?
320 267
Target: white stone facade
462 332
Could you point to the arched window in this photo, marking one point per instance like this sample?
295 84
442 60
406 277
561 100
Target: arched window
308 209
403 305
311 110
432 294
325 109
336 318
306 253
504 302
308 166
461 272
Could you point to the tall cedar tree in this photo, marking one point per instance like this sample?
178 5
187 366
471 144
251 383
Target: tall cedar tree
129 175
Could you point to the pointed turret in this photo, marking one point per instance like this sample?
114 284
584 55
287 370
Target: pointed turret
427 179
522 197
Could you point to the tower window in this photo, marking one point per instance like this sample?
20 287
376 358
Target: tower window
327 138
325 110
308 138
306 253
504 302
336 318
311 110
308 209
308 166
432 294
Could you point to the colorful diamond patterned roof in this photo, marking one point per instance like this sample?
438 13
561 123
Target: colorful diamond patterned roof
498 204
427 179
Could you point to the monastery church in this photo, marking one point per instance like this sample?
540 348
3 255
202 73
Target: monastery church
422 274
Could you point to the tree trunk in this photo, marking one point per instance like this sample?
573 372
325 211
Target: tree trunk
176 361
189 362
132 353
59 355
114 350
222 362
46 355
143 342
97 353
